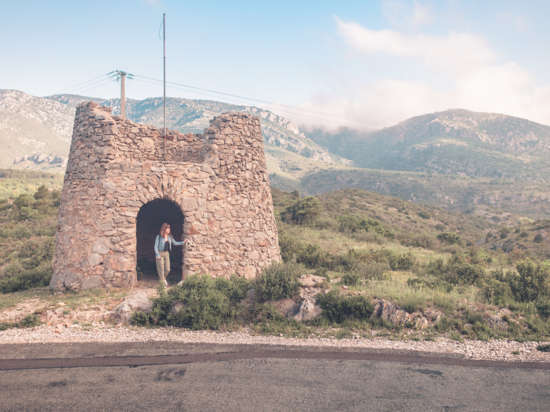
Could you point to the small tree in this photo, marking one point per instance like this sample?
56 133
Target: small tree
302 211
530 282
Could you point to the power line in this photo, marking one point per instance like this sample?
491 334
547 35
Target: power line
84 83
293 110
283 109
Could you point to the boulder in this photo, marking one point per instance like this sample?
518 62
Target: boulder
137 301
308 309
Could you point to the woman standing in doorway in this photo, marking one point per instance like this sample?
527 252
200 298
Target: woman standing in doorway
163 246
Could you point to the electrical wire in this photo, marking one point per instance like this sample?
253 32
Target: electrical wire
272 106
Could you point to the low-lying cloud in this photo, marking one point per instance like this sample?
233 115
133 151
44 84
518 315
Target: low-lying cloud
476 78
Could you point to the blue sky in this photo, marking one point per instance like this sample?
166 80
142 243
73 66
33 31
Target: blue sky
368 63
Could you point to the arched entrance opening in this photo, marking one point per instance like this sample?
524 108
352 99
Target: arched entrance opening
149 219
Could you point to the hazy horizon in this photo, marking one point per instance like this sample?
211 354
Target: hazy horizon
362 64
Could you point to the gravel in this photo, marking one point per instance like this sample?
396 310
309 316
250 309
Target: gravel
490 350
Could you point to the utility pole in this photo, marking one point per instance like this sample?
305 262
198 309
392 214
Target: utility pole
164 78
123 94
122 76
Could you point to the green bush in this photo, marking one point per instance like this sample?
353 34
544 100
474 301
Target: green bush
338 308
496 292
530 283
22 279
200 302
278 281
303 211
371 270
456 271
203 305
543 309
401 262
538 238
448 237
351 279
28 321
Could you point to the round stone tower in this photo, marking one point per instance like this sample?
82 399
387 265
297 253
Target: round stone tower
123 179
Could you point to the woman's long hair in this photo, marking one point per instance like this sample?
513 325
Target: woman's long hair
163 228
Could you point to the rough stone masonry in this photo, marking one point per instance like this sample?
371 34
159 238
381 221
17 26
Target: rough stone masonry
218 182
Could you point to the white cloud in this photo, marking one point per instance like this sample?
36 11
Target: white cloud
455 51
476 78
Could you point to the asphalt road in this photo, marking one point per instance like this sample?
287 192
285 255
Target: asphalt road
171 376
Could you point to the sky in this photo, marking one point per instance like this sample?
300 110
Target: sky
363 64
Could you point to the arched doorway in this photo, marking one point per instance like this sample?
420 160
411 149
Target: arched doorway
149 219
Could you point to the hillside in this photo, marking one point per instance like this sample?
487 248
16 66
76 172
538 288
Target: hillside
35 131
453 142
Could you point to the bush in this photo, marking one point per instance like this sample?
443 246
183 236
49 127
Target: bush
543 309
456 271
278 281
496 292
538 238
200 302
303 211
402 262
28 321
371 270
203 305
351 279
22 279
530 282
338 308
448 237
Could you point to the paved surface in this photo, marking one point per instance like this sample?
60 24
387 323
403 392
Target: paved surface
171 376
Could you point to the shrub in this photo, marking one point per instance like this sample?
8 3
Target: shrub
448 237
456 271
28 321
402 262
351 279
423 214
371 270
496 292
200 302
22 279
538 238
543 348
302 211
530 282
278 281
290 247
203 306
313 256
352 224
543 309
338 308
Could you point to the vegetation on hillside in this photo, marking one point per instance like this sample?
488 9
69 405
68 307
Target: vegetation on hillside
27 230
367 247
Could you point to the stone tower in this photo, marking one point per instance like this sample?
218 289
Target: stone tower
124 179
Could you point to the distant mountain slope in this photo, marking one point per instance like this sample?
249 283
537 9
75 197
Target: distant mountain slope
35 132
456 142
193 116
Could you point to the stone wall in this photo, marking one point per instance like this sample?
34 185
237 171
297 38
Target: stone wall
115 166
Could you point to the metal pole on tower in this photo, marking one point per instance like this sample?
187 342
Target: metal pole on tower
164 76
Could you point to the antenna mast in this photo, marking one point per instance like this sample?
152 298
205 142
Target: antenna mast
164 77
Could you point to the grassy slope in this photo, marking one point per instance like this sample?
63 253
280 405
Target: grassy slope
396 228
16 182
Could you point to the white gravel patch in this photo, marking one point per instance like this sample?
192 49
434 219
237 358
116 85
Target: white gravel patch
490 350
